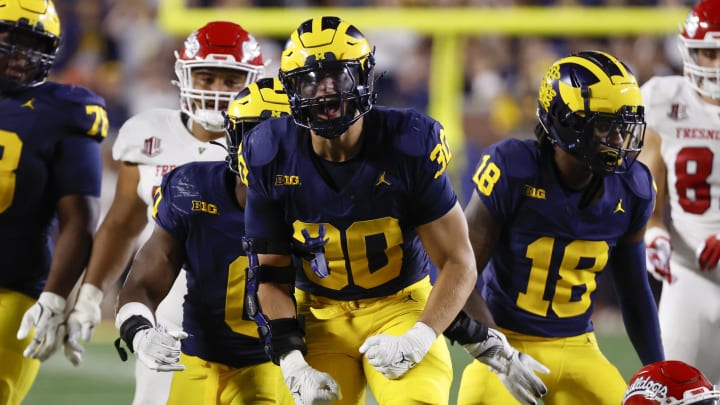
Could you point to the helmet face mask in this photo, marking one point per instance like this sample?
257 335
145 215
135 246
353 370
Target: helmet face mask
222 49
327 71
589 105
701 32
670 382
29 40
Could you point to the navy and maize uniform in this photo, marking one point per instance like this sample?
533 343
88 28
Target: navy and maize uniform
49 148
378 268
541 280
196 204
49 137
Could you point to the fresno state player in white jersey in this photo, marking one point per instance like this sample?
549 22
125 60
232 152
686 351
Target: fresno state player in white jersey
216 62
682 149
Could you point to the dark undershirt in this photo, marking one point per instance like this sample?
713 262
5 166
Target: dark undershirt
337 174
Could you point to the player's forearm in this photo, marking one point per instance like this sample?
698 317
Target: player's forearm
449 294
72 250
636 301
77 217
111 253
276 300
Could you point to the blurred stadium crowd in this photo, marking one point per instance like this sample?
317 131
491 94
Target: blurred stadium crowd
117 49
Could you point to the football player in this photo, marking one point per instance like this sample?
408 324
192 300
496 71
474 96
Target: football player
50 174
360 194
215 63
548 216
682 150
199 223
670 382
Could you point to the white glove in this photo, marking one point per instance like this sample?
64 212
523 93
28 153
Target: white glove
307 385
516 370
47 318
393 356
657 254
82 320
156 348
159 349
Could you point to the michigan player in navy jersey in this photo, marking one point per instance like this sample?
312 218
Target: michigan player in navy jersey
215 62
548 216
357 193
50 173
199 222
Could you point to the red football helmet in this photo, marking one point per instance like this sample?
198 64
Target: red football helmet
701 30
222 45
670 382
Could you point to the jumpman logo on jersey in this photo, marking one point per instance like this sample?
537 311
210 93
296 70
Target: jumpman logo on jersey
29 104
619 207
382 180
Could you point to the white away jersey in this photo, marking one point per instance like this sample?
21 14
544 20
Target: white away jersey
690 133
158 141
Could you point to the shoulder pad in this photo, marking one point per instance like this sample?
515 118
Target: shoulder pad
262 144
84 110
661 90
517 158
416 133
78 94
640 180
131 136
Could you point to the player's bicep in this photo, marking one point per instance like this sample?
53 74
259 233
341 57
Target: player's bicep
264 218
154 269
483 230
127 209
445 238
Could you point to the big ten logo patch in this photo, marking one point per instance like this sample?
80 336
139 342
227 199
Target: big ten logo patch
287 180
203 206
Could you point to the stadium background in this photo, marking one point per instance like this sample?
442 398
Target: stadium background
473 65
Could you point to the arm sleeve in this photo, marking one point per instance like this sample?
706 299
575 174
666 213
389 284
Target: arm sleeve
166 213
264 218
636 301
434 194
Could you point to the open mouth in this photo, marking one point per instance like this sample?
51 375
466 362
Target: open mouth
14 73
329 110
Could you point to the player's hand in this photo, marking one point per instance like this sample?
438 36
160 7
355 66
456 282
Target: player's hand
708 253
657 254
516 370
393 356
159 349
307 385
82 320
47 318
521 380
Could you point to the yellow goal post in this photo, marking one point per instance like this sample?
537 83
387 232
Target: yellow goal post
447 27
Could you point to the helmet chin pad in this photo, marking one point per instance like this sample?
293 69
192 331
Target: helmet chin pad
211 120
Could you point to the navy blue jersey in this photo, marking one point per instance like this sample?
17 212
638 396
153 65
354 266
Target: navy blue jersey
400 182
197 205
544 270
49 148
